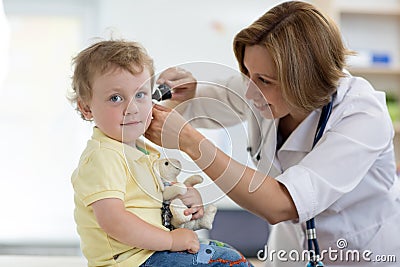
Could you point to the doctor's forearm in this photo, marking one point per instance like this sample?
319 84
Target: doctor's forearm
252 190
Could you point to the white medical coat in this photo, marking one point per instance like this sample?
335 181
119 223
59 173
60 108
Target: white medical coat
348 182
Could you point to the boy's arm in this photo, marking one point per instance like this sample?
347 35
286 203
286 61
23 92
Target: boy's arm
129 229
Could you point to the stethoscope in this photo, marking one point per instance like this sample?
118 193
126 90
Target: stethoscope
312 243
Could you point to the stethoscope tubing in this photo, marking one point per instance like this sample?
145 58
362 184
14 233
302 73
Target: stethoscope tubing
311 234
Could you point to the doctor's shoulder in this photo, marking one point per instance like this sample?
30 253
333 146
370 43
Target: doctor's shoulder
357 99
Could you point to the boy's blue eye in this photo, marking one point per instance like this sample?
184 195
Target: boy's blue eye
116 98
140 95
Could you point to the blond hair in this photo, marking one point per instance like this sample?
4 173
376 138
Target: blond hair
306 47
102 56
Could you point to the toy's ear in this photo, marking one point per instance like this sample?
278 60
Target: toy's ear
84 109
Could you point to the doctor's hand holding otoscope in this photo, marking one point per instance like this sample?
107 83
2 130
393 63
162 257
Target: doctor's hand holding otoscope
181 81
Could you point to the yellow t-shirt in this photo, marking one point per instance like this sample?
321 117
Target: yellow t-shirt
111 169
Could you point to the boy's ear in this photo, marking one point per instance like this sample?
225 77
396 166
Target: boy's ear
84 109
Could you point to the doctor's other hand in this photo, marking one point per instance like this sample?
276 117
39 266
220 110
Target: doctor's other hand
181 81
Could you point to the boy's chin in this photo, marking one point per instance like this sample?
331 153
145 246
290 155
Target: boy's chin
131 138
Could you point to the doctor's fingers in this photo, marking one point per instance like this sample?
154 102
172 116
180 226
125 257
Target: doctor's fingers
177 77
161 108
165 128
153 132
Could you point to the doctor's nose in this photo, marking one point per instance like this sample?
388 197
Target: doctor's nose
252 91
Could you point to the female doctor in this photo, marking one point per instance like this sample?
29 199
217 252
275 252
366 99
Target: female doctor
294 60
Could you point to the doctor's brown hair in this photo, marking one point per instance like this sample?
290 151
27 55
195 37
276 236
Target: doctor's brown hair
103 56
306 47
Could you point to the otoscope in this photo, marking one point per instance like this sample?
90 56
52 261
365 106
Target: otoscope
162 92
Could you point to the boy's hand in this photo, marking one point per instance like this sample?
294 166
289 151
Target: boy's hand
184 239
193 200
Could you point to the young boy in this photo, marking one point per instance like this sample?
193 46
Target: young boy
117 198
